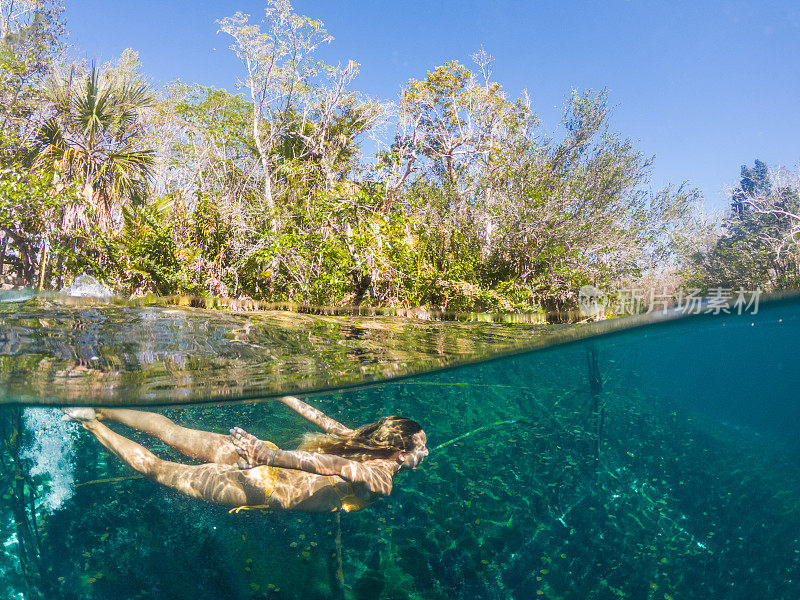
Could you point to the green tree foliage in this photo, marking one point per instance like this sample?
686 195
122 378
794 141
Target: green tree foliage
268 195
146 251
576 211
29 43
30 33
27 208
210 174
760 242
503 205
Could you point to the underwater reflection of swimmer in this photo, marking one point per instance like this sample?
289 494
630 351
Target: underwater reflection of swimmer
341 469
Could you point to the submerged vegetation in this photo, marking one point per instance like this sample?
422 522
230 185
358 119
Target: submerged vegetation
580 471
268 194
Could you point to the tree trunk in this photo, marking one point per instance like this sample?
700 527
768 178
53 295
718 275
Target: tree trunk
59 274
101 205
268 198
24 264
43 261
262 154
450 175
329 174
3 255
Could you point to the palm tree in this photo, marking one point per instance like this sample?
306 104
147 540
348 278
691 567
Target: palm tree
94 139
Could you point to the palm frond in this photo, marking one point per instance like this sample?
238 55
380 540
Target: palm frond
53 150
94 108
125 171
95 139
51 136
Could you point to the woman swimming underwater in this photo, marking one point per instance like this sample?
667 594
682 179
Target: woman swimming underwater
341 469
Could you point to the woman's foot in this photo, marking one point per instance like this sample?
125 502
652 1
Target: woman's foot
246 446
79 415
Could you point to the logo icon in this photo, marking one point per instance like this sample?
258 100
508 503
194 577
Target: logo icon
592 302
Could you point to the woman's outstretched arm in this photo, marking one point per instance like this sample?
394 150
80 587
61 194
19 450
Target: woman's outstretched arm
254 452
376 479
317 417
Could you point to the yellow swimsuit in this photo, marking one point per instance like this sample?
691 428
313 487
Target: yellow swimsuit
349 501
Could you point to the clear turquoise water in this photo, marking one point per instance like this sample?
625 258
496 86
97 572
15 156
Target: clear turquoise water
657 462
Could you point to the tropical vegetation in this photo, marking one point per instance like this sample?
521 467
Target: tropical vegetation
269 193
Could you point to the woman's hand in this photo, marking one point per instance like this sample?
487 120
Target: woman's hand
411 460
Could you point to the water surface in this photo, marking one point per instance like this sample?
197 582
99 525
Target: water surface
657 462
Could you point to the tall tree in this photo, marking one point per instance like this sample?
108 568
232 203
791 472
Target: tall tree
760 242
575 211
331 118
277 58
461 121
30 39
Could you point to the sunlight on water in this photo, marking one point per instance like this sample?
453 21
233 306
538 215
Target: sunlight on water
56 349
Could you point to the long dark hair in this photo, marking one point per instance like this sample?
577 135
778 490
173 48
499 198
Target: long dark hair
385 438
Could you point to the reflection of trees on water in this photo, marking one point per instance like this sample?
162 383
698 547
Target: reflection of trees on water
126 354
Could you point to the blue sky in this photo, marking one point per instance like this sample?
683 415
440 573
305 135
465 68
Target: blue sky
703 86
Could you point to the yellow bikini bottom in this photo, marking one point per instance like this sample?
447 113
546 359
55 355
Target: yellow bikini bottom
349 501
269 477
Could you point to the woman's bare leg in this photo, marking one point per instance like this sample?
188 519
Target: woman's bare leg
222 484
204 446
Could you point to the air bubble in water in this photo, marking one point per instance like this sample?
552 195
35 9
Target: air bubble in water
50 451
88 287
